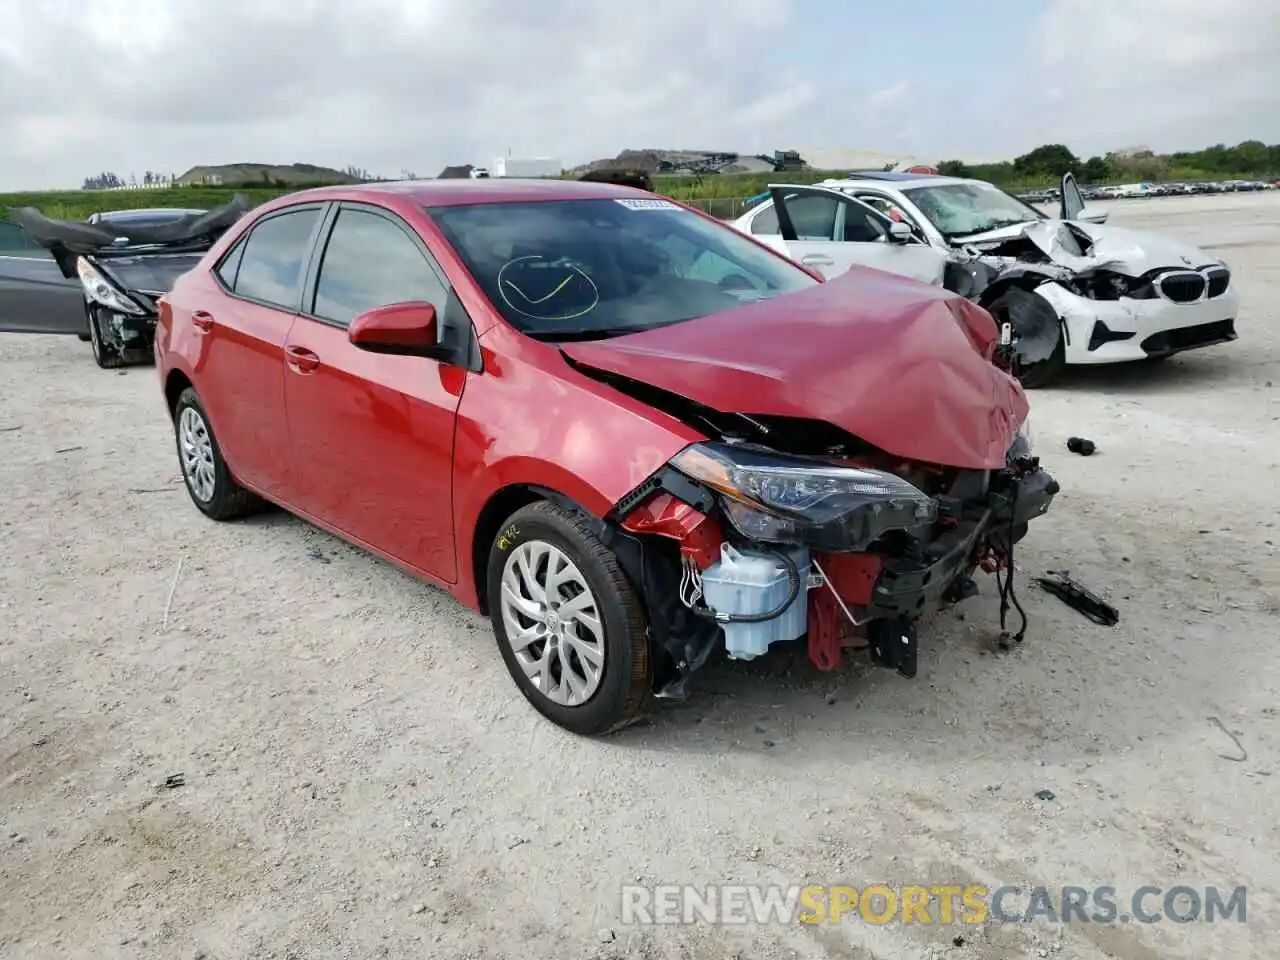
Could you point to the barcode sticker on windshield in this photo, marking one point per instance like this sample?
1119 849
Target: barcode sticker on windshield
647 204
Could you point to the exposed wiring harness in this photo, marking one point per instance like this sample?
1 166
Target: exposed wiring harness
690 583
1005 587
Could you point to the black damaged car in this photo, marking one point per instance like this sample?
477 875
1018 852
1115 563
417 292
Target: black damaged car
125 260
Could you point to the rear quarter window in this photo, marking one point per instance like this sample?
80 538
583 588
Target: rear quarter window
765 223
230 266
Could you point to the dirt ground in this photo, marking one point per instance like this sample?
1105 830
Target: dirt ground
362 779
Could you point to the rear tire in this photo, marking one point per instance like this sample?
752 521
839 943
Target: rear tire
104 355
205 473
581 652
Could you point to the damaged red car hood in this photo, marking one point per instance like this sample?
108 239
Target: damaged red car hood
899 364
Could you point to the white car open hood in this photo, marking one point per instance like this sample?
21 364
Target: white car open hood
1087 246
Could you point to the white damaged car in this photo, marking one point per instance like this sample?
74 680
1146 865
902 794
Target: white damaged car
1066 290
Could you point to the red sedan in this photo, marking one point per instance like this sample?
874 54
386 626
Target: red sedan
629 434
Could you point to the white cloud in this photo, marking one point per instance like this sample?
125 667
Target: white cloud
126 85
1174 73
888 97
384 84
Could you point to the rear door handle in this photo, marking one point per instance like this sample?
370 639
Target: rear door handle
817 260
301 360
202 320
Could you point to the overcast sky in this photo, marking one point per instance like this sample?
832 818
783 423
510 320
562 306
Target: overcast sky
386 85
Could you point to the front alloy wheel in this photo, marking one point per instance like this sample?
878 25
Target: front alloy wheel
570 627
552 622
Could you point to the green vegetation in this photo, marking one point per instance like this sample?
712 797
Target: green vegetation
1044 166
724 195
78 204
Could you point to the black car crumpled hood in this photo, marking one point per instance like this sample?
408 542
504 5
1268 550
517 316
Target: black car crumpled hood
153 275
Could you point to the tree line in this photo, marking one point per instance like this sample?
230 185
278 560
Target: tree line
1048 163
1043 166
113 181
107 180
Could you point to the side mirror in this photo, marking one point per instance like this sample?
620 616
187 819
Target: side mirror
1093 214
402 329
900 232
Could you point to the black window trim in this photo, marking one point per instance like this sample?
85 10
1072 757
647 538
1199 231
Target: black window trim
308 255
311 277
459 331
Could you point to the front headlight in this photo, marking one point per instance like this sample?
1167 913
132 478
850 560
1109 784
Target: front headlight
777 499
101 290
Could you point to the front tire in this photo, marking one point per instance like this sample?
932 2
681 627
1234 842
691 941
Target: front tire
571 629
1036 375
1043 372
104 355
206 476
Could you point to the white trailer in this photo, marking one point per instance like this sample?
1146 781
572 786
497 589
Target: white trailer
526 167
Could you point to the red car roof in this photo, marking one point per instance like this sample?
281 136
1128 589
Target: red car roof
444 193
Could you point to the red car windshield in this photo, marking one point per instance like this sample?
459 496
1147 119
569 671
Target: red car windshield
588 269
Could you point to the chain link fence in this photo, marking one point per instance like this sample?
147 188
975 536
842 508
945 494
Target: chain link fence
723 208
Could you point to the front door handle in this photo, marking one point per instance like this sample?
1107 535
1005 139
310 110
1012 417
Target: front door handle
301 360
202 320
817 260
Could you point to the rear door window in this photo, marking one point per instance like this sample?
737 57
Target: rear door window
371 261
274 256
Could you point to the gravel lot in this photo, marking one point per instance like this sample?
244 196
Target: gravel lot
362 779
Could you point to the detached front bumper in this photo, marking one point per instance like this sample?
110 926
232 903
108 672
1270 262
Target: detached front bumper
1115 331
907 588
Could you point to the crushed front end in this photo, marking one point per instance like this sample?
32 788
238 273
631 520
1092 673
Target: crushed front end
125 316
736 545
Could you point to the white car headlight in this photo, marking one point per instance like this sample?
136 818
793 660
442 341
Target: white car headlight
102 291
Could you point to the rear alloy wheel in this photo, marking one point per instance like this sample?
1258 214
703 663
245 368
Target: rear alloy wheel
104 355
571 629
208 480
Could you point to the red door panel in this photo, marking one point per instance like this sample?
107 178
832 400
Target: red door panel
238 322
240 379
372 440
